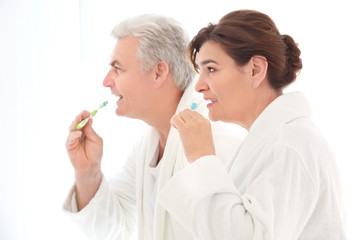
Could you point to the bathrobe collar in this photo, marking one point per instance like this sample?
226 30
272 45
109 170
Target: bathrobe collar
282 110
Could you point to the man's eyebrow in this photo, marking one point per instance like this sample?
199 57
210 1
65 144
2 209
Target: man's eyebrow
207 61
114 62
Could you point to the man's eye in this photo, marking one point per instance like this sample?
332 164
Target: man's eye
117 68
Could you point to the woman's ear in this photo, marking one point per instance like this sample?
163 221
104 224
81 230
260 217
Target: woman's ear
259 70
161 70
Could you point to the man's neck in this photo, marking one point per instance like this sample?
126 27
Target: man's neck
160 120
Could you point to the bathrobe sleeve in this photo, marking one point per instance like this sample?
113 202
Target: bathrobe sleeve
274 202
111 213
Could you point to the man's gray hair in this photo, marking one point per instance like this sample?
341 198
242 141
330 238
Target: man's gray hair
160 39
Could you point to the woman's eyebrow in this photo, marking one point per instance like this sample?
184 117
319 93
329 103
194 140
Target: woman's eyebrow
207 61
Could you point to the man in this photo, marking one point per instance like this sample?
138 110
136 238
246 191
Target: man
153 80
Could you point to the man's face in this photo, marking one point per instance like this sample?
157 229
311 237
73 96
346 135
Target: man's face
128 81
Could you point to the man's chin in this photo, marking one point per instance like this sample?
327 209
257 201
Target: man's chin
120 113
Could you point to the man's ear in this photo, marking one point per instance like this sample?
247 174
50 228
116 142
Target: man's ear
259 67
161 70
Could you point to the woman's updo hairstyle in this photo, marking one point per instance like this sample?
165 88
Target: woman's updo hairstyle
245 33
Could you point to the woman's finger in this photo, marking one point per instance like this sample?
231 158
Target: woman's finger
177 121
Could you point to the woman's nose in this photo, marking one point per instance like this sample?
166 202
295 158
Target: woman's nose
201 85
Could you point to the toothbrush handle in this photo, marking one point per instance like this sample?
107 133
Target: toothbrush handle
82 123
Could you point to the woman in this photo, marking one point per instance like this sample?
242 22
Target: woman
283 182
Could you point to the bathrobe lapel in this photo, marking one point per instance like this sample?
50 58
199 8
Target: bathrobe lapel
173 160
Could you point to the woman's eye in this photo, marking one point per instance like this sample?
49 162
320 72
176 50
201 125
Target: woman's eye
210 69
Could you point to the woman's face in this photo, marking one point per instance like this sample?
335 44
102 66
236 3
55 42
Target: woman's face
226 85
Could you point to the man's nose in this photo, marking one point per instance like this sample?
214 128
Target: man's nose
109 79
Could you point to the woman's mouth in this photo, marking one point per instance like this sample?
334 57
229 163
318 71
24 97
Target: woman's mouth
212 102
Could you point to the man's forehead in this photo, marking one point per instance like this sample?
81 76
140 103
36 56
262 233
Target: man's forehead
126 41
125 48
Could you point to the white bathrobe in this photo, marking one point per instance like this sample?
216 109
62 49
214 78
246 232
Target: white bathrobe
129 199
283 184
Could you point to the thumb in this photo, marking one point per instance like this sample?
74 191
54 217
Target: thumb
172 122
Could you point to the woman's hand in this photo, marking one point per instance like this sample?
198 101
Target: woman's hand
195 133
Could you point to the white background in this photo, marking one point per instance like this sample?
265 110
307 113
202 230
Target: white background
54 55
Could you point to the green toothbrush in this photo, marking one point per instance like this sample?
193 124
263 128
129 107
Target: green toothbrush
92 114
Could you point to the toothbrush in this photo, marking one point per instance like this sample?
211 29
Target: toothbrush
92 114
194 105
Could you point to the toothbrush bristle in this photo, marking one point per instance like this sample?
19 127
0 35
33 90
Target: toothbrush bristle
193 106
104 104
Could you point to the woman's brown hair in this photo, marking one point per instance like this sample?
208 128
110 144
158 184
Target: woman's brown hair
245 33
